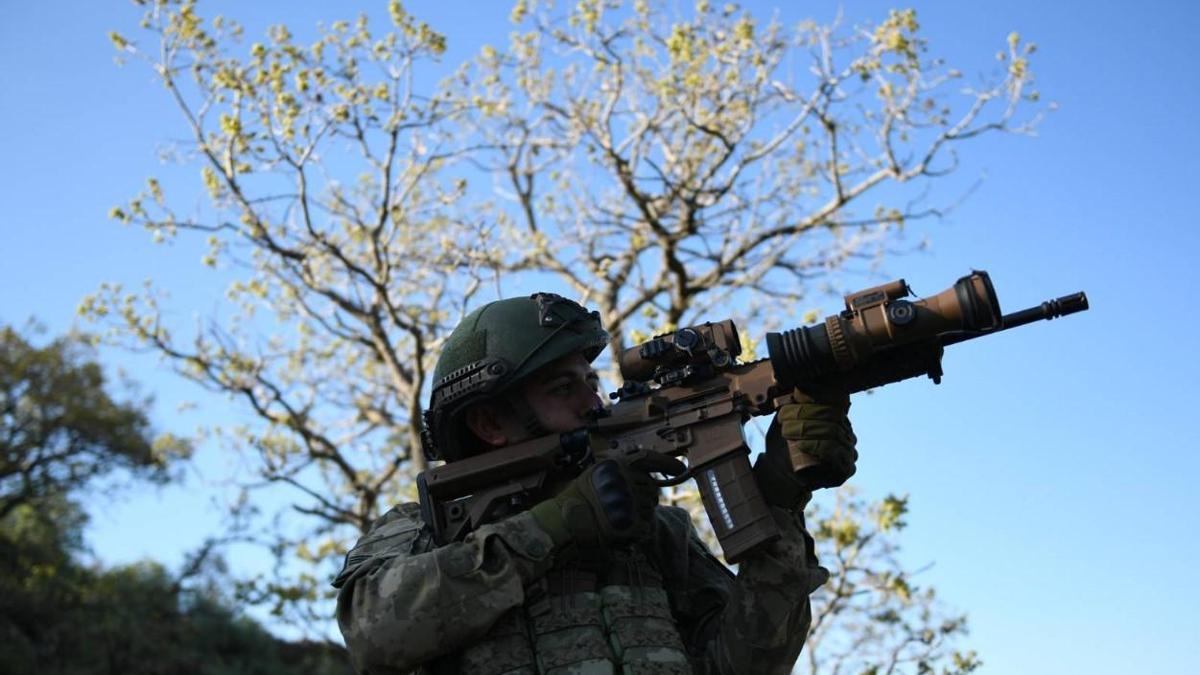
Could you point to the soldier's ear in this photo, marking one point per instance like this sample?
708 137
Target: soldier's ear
485 422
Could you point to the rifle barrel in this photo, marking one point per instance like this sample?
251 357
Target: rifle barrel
1050 309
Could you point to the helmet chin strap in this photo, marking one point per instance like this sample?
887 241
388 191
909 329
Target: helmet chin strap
535 429
526 415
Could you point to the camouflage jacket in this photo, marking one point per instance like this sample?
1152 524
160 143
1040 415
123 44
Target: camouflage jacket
406 605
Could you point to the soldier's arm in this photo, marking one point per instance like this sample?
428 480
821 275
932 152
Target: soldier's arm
757 620
400 606
766 616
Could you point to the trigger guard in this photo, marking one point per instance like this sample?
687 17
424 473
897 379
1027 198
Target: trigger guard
633 456
673 480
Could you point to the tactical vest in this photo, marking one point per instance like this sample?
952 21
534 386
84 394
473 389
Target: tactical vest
580 622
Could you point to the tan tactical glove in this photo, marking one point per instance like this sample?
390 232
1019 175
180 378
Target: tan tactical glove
609 503
810 445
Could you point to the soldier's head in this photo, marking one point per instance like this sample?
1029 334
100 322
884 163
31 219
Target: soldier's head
513 369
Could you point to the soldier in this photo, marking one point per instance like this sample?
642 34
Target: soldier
597 577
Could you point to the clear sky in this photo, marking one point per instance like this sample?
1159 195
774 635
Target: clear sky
1053 473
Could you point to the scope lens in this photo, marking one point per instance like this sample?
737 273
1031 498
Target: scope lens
686 338
901 312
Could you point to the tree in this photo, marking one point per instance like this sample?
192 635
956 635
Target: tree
661 167
60 616
872 617
60 429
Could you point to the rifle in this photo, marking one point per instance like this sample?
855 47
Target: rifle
686 395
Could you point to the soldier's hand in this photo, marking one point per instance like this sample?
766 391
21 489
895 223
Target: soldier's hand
610 502
646 491
820 440
596 509
810 445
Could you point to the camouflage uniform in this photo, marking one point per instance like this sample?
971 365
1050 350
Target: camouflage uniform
500 602
505 600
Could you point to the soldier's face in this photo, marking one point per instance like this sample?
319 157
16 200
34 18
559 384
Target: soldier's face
563 393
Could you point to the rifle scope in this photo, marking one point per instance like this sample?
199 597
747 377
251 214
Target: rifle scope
881 337
716 343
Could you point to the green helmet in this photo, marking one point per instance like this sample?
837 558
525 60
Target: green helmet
496 347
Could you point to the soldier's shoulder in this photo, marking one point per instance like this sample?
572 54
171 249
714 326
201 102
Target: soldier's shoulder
398 532
400 518
401 522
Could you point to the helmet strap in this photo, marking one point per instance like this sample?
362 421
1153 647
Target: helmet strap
526 415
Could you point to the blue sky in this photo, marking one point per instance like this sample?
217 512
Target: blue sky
1052 473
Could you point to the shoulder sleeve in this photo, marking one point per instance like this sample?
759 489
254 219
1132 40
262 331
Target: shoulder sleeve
402 602
759 617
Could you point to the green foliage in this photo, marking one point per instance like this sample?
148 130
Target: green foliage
58 616
59 427
678 164
872 617
60 430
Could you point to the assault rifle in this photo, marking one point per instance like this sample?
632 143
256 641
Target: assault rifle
686 395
